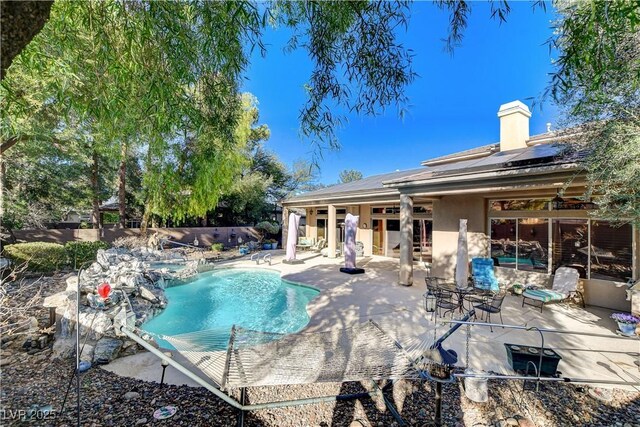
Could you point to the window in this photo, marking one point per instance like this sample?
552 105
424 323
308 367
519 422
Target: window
597 249
575 204
322 226
533 244
570 244
422 238
611 251
393 238
503 242
423 209
519 205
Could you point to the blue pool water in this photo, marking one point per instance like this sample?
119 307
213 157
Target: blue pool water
253 299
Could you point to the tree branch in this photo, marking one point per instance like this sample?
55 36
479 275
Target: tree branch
8 144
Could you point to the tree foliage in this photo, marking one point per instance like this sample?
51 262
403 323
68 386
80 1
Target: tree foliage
597 81
349 175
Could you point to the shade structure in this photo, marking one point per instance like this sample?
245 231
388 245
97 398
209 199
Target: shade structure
462 262
292 236
350 228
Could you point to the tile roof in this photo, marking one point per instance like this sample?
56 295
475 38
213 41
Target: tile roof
485 149
537 155
368 184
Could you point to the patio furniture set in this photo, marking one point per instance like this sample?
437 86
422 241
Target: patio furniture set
484 294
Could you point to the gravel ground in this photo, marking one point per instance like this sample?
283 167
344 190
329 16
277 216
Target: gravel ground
110 400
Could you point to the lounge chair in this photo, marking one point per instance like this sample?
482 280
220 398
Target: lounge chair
483 276
319 245
565 285
305 243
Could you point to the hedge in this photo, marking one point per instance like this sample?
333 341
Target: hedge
41 256
82 252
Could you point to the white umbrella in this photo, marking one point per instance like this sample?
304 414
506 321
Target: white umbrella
350 228
462 262
292 236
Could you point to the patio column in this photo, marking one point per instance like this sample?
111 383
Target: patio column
331 232
406 240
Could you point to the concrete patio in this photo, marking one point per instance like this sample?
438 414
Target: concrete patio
346 300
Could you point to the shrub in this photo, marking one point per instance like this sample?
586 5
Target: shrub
217 247
81 252
41 256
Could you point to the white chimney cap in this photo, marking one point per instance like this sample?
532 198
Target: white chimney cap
514 107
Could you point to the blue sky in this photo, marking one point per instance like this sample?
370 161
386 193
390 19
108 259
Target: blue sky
453 102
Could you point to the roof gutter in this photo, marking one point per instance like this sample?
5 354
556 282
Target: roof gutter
344 196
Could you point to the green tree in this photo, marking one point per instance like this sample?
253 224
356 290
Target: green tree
349 175
597 81
139 58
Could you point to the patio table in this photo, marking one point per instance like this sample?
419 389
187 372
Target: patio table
460 293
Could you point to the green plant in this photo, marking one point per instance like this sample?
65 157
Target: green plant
265 228
40 256
217 247
82 252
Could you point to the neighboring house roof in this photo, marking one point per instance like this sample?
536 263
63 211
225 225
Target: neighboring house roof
371 185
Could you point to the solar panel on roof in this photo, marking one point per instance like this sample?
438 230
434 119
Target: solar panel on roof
539 151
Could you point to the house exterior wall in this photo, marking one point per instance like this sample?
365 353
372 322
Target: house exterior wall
447 213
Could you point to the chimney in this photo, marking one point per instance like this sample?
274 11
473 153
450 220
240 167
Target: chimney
514 125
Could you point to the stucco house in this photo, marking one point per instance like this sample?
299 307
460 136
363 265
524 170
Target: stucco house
524 201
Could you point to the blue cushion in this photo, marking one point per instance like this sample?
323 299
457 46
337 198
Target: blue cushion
482 271
543 295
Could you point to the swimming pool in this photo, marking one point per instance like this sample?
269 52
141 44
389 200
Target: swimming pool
251 298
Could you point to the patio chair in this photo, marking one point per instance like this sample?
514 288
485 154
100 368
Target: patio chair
492 306
320 244
565 285
445 301
483 276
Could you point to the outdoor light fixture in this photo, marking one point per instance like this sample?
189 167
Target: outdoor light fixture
430 302
164 363
557 201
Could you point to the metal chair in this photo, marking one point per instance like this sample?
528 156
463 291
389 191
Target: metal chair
444 300
492 307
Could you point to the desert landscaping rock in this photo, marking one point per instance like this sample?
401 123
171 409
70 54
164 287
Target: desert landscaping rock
131 395
106 350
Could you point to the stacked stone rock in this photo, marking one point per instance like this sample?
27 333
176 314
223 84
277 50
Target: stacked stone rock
137 296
